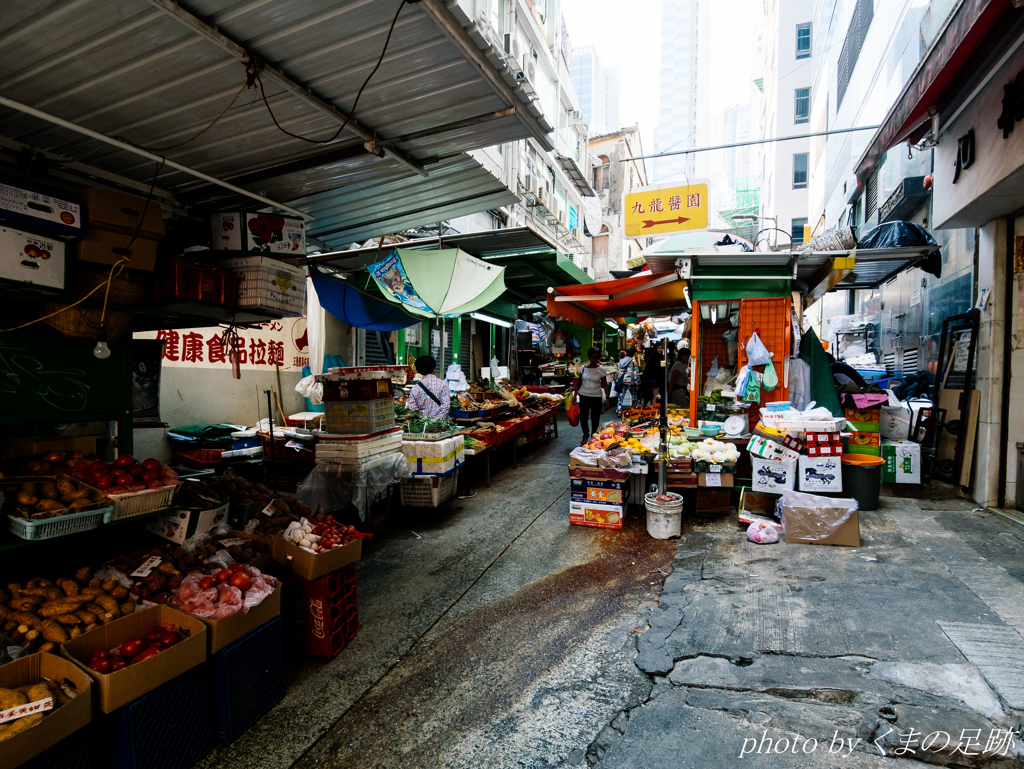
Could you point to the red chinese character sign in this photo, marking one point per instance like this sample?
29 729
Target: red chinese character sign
669 208
278 343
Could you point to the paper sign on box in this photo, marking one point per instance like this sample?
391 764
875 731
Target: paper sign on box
818 474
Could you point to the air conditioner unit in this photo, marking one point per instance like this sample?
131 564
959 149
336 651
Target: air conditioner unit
540 195
530 183
530 70
575 116
575 232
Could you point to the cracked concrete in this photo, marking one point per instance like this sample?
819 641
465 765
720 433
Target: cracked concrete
837 652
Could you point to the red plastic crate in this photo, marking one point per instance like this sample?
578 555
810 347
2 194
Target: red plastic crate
323 613
198 283
199 456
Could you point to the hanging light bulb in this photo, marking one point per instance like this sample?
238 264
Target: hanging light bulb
102 349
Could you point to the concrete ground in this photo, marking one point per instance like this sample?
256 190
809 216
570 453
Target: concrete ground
495 635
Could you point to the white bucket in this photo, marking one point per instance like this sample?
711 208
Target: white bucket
664 519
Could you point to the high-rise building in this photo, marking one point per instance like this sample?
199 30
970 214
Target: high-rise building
683 120
597 89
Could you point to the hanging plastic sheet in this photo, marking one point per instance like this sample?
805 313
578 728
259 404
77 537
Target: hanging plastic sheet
336 490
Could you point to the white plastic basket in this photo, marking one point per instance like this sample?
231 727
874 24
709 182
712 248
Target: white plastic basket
141 502
59 526
269 284
429 490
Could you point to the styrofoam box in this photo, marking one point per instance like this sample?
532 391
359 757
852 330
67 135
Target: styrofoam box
772 475
819 474
433 449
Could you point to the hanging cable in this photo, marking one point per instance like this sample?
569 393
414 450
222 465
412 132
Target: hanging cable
253 68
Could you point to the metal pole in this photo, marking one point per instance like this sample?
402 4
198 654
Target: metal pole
663 425
270 417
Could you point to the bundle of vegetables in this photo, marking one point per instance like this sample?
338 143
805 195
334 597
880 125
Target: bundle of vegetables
223 592
419 424
41 615
26 696
136 650
322 534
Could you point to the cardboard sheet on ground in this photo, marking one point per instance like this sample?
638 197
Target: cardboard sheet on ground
816 520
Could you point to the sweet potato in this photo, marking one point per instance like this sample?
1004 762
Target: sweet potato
94 582
75 631
4 596
54 632
87 616
24 618
83 575
93 626
60 697
119 593
4 611
10 698
93 608
39 582
17 727
69 586
14 589
47 648
91 592
109 604
63 606
54 594
109 585
27 602
127 608
69 619
39 591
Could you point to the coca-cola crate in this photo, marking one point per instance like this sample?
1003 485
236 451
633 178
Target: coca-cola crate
198 283
321 615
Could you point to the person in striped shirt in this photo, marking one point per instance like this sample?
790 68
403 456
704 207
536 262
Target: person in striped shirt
429 395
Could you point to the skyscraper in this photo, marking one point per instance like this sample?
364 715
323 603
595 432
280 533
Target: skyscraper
597 88
683 120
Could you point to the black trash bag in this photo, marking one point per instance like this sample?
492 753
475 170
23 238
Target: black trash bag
917 385
727 241
896 235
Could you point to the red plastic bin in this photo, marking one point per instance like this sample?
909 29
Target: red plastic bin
198 283
322 614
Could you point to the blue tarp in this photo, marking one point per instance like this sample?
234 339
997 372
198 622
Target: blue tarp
359 308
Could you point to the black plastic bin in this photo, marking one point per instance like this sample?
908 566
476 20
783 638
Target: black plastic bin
862 479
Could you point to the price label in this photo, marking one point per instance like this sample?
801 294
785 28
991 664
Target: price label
20 711
713 481
147 566
226 543
269 509
712 407
714 468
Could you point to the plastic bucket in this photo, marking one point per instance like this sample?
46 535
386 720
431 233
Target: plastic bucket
862 479
664 519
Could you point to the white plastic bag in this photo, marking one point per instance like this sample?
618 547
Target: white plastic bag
762 533
627 399
713 372
770 380
456 379
309 388
613 393
757 353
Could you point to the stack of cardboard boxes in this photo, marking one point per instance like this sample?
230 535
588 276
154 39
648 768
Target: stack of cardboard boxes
597 495
864 426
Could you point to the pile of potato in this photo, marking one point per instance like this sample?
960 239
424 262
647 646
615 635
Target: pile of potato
287 508
41 615
24 695
238 489
36 500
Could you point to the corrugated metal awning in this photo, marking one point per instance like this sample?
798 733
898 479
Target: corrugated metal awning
153 74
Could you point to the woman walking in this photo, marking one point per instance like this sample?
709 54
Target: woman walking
591 393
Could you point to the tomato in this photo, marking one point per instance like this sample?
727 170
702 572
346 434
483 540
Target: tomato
149 476
105 481
100 665
152 465
124 460
241 580
154 633
100 654
132 647
118 663
236 567
136 469
224 575
96 472
168 638
206 583
150 651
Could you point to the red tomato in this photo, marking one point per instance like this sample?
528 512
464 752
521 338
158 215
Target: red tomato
168 638
152 465
100 654
105 481
149 476
96 472
100 665
150 651
224 575
154 633
206 583
236 567
132 647
124 460
117 663
136 469
241 580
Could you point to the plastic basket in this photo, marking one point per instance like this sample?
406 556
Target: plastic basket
199 456
171 727
322 615
141 502
59 526
429 490
198 283
356 417
70 753
248 679
269 284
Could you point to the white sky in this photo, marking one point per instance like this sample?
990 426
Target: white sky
626 33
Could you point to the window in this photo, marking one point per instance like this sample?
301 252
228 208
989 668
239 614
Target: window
602 173
802 105
803 41
798 230
800 171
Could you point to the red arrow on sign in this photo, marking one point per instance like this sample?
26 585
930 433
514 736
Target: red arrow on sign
651 222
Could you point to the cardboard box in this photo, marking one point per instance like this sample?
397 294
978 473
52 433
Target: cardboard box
680 480
777 436
757 506
183 524
104 247
762 447
603 496
771 475
864 443
312 565
222 632
117 689
716 480
895 425
864 427
862 415
37 209
597 473
712 501
902 462
253 233
825 450
119 212
820 474
28 258
596 515
805 526
56 725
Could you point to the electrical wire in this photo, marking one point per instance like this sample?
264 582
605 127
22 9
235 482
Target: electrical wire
253 71
185 143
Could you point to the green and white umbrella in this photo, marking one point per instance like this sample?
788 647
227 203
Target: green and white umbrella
445 283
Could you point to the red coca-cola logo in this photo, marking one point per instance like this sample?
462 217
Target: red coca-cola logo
316 610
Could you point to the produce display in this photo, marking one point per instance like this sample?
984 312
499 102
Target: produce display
136 650
217 490
280 513
714 452
125 475
223 592
27 696
321 534
50 497
40 615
